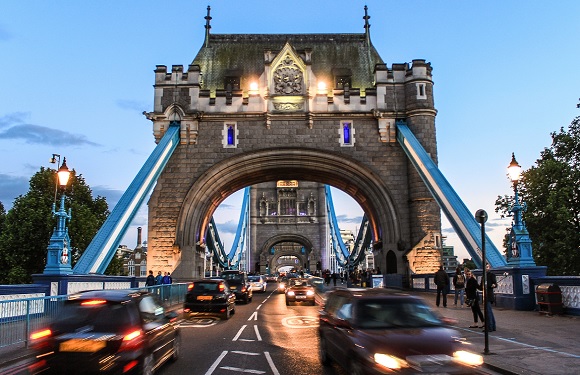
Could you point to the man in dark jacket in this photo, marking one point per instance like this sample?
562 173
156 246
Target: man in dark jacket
150 279
442 282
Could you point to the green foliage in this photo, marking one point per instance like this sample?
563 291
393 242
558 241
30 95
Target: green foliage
29 224
551 191
2 217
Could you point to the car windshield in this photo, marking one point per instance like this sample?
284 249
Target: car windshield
205 287
255 278
394 313
104 317
232 276
299 282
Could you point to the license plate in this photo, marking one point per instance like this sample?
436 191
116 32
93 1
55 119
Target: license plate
300 297
233 287
86 346
204 298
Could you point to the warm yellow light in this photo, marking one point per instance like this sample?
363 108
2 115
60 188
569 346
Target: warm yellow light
468 358
63 174
322 87
389 361
254 86
514 169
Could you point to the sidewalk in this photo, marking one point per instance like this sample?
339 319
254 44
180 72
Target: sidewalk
525 342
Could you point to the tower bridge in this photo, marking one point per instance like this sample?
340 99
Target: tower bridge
267 109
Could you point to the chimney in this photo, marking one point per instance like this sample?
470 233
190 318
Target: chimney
138 236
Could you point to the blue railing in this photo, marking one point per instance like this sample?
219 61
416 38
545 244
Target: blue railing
20 317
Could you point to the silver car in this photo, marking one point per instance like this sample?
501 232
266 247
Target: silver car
258 283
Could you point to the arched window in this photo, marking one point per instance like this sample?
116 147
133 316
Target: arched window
391 262
230 135
346 134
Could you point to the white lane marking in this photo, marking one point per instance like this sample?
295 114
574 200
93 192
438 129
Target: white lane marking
269 359
260 305
254 315
257 333
247 340
216 363
239 333
300 322
244 353
237 369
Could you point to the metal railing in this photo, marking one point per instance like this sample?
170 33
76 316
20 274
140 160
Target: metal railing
20 317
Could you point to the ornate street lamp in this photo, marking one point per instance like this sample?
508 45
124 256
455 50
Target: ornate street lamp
519 244
58 259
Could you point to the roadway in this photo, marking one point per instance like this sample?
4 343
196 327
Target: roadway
267 337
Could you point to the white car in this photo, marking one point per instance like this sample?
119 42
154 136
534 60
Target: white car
258 283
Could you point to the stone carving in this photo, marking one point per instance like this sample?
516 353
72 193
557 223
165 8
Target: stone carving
288 106
288 79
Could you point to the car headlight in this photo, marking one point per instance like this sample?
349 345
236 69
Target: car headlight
290 293
468 358
309 293
281 286
390 361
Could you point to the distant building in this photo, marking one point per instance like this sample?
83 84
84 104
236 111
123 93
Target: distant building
448 257
134 261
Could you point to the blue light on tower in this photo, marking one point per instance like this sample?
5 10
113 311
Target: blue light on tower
519 251
58 259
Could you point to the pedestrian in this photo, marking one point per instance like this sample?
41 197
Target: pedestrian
150 279
491 285
334 278
167 278
158 278
472 298
442 282
459 285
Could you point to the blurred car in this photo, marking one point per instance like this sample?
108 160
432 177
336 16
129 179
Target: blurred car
374 331
108 331
299 290
239 284
271 278
210 296
258 283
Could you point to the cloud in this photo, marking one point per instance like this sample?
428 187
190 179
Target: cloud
11 187
349 220
229 227
35 134
13 118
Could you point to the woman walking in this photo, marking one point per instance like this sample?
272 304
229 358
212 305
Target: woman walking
459 285
472 298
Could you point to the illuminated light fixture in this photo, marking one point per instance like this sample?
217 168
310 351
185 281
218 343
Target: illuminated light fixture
63 174
254 88
322 87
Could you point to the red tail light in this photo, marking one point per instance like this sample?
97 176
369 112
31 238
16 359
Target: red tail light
40 334
93 302
222 287
190 287
244 289
132 340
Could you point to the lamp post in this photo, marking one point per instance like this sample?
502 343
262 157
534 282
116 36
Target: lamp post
519 244
481 217
58 259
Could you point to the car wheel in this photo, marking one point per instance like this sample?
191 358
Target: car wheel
147 364
233 309
287 303
176 348
227 315
313 303
323 351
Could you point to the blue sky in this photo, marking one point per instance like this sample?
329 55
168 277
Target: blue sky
76 76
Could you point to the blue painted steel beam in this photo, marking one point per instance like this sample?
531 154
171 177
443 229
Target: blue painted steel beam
103 247
462 220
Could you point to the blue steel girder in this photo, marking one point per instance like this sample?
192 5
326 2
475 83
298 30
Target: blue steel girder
103 247
338 246
461 219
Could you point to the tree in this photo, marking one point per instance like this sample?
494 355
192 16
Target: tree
2 217
551 191
29 224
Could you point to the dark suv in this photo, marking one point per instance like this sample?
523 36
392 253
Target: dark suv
210 296
108 331
239 284
375 331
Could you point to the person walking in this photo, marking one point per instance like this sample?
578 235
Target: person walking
442 282
167 278
491 285
150 281
158 278
459 285
472 298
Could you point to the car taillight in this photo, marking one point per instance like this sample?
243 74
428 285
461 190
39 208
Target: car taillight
190 287
132 340
45 333
244 289
93 302
222 287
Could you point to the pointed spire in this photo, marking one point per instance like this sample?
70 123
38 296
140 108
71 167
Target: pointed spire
207 26
367 26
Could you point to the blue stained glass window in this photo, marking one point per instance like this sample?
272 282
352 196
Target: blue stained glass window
230 135
346 132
